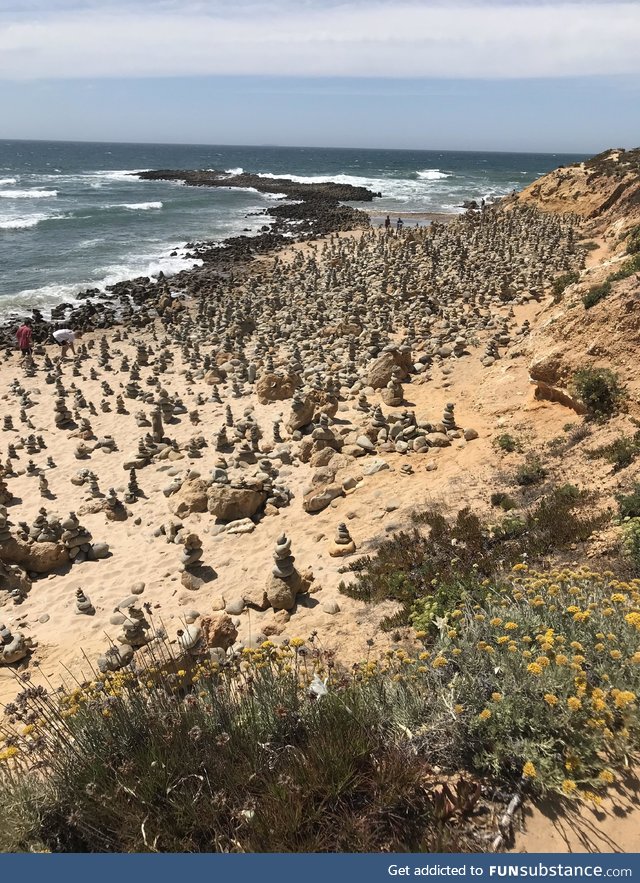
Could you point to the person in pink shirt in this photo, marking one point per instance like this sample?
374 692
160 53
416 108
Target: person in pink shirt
24 335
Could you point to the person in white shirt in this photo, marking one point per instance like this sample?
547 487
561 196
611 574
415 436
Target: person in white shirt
65 337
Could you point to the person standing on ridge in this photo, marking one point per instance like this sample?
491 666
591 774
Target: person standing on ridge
24 335
65 337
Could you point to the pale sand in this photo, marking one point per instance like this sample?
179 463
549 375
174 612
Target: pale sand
462 478
491 401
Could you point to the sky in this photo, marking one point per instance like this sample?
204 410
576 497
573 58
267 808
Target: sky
434 74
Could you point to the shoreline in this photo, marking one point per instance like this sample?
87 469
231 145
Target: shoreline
317 211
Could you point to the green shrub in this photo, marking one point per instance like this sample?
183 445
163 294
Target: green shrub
562 282
629 504
535 688
507 443
600 390
504 501
596 293
627 269
620 453
245 760
530 472
633 244
631 543
429 574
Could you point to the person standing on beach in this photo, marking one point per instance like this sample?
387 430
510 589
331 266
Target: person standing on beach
65 337
399 224
24 335
387 223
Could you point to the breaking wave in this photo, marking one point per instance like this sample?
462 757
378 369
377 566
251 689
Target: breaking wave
27 194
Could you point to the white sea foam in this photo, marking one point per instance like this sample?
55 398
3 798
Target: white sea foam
237 171
136 206
5 181
134 265
433 175
24 222
28 194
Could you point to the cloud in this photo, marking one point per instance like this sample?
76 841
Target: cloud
495 40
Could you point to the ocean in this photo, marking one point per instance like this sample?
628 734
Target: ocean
72 217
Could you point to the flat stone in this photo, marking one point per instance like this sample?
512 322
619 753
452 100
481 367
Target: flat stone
129 601
374 466
365 443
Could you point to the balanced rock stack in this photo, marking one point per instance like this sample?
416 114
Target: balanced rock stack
13 647
5 494
284 582
448 420
392 394
83 604
5 526
343 544
190 563
134 628
62 415
76 539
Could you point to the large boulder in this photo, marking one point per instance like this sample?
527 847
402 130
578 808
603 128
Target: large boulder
271 387
319 498
282 593
302 415
233 503
192 497
218 631
35 557
324 403
381 371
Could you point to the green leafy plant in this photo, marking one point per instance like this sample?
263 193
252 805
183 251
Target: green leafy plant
596 293
563 282
530 472
507 443
629 504
620 453
600 390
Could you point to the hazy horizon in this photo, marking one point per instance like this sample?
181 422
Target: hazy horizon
473 75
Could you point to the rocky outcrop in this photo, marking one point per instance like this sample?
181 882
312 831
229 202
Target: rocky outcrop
218 631
228 503
34 557
271 387
382 370
192 497
319 498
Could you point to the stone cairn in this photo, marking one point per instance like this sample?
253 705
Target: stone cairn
284 583
448 419
343 544
62 415
13 647
393 395
133 488
76 539
190 561
5 526
83 604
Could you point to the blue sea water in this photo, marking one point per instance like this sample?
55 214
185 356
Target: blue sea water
72 217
